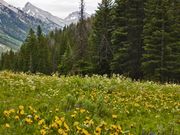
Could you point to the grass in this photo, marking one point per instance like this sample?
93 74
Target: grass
38 104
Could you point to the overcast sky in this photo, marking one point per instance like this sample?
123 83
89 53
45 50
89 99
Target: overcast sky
60 8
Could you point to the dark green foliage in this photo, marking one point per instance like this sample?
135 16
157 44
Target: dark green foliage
101 38
127 37
137 38
161 45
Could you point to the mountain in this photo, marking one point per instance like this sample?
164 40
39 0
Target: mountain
74 17
15 23
44 16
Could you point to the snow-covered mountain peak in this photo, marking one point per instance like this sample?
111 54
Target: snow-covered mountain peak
29 4
2 2
74 17
41 14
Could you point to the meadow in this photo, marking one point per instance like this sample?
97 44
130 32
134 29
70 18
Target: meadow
96 105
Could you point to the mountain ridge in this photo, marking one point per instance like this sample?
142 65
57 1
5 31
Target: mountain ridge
15 23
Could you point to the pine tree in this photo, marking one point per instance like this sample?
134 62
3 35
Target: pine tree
26 56
101 38
174 41
127 37
161 45
81 62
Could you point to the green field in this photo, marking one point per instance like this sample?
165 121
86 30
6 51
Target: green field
38 104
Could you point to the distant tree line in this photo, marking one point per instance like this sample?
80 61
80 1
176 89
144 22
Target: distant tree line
136 38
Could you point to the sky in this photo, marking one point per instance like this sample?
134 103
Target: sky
60 8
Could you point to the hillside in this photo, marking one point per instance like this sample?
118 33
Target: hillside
15 23
38 104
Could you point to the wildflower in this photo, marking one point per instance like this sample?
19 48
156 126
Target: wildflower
28 121
29 116
88 123
66 126
30 108
17 117
62 119
59 122
61 131
114 116
78 128
43 132
75 112
57 110
97 131
45 127
22 112
21 107
6 113
54 125
103 124
76 123
113 127
36 117
73 115
82 110
12 111
41 122
7 125
85 132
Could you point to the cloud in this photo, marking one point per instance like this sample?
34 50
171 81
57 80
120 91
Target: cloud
59 8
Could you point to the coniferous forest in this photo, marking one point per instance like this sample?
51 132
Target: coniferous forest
139 39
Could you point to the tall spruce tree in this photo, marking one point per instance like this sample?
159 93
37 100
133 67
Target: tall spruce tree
127 37
30 52
174 41
42 53
160 60
81 63
101 38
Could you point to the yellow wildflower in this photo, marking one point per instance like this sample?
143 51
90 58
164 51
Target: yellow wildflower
62 119
6 113
97 131
43 132
114 116
12 111
57 110
41 122
54 125
30 108
28 121
36 117
61 131
59 122
21 112
78 128
76 123
85 132
82 110
21 107
73 115
16 117
7 125
66 126
75 112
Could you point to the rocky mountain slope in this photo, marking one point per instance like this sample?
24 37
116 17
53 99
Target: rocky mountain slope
15 23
